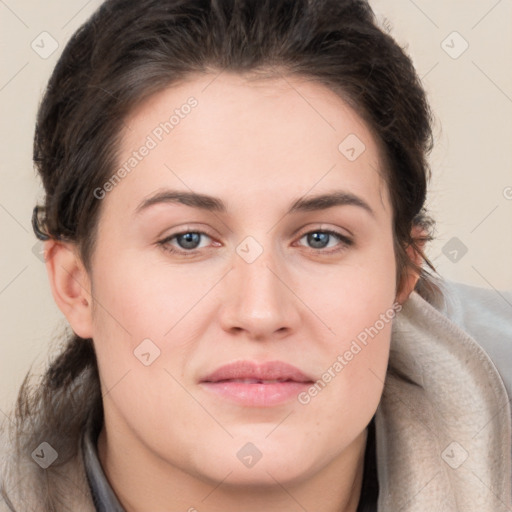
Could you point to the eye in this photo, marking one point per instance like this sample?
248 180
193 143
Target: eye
321 239
187 241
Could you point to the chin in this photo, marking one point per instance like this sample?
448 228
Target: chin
274 471
254 461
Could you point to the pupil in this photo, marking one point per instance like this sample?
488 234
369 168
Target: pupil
190 240
318 239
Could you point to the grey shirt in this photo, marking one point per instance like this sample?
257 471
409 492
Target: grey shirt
103 496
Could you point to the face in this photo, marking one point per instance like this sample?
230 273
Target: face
262 273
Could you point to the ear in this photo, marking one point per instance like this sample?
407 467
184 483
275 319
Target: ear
70 284
412 277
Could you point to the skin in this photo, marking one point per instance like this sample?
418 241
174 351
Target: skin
168 444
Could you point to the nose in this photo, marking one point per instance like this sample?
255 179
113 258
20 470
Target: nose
259 300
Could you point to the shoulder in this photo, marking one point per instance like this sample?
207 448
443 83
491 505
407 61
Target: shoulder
7 478
33 478
13 474
445 388
486 315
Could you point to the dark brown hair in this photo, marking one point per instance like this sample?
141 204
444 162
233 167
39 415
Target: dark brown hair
131 49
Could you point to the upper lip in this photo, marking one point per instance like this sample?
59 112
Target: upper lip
272 370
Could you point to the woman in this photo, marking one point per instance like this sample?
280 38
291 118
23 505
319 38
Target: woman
234 224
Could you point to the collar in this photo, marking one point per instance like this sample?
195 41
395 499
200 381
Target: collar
102 493
443 425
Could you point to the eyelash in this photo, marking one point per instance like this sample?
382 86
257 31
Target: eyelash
345 242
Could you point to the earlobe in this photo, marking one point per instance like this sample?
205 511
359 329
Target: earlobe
70 285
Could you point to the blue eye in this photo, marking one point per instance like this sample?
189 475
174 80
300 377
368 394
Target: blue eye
187 243
188 240
320 239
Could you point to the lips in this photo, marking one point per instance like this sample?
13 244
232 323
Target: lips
253 373
256 385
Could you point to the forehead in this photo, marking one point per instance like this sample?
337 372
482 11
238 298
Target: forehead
228 134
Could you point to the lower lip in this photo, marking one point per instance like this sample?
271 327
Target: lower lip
256 394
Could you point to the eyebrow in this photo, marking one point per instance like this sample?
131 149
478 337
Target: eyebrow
214 204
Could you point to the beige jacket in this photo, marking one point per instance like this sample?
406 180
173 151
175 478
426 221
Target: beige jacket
443 440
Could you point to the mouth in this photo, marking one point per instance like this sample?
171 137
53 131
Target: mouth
255 381
256 385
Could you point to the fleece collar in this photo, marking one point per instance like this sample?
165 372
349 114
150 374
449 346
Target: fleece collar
443 426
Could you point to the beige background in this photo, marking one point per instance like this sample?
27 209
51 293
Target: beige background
470 195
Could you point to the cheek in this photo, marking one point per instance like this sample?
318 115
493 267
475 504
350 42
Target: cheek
361 311
338 406
143 299
355 369
144 324
357 294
